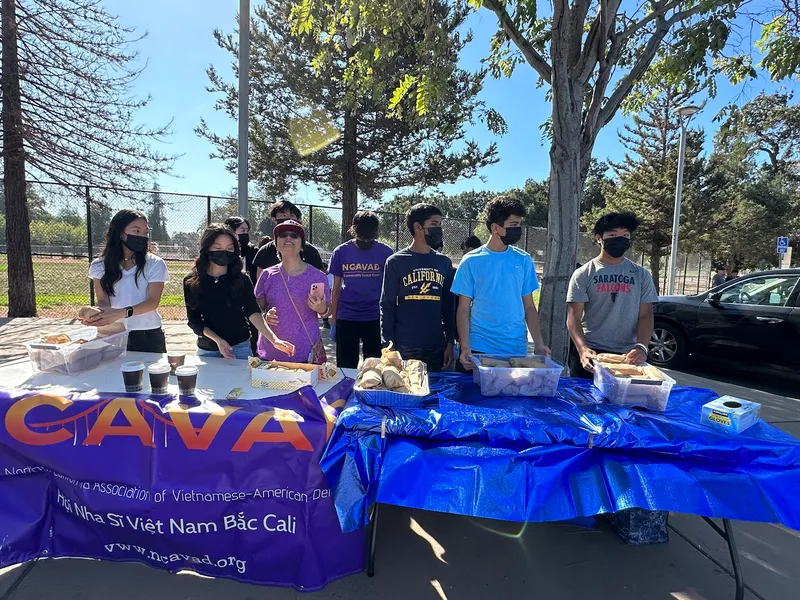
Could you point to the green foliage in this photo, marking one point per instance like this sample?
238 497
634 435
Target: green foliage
780 44
325 232
156 219
312 63
534 195
58 233
647 174
768 124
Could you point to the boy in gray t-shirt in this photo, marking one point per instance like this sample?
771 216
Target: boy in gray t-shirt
610 300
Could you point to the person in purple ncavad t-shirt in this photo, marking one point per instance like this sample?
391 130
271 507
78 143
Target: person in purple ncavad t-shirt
357 269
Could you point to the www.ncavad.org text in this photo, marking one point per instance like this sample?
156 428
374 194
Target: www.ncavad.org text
166 559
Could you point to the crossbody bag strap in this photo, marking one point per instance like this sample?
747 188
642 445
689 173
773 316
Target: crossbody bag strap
288 293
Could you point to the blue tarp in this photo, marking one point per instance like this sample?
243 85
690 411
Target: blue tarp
552 459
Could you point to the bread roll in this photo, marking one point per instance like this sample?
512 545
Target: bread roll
494 362
527 363
392 378
390 357
87 312
370 378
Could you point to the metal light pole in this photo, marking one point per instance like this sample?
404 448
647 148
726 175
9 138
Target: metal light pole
684 113
244 103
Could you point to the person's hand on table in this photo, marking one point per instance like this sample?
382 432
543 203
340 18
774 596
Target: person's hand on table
106 317
587 357
317 304
636 356
272 317
448 356
225 348
285 347
542 349
466 359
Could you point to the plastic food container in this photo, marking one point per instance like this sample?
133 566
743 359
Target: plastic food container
516 381
73 358
389 399
647 393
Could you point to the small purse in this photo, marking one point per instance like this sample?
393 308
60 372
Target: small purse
317 355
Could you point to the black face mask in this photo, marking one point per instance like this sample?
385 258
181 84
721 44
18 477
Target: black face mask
222 257
364 244
512 236
616 246
136 243
433 237
244 240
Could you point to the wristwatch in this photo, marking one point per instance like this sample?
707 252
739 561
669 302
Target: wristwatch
128 312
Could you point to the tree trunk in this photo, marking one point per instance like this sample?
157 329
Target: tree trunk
349 172
21 291
566 192
655 265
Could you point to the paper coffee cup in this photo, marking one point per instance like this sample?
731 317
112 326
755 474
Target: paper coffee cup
187 379
159 377
175 360
133 375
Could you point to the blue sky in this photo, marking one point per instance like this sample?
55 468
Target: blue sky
179 47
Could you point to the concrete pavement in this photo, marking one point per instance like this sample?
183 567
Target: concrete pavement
465 559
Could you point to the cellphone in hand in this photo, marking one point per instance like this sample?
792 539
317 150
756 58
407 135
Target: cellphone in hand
317 290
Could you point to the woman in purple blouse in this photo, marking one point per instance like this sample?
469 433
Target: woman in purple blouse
299 295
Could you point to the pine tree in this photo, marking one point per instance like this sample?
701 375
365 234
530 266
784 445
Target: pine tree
647 175
309 125
156 219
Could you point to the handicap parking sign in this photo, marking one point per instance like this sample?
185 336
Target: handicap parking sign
783 242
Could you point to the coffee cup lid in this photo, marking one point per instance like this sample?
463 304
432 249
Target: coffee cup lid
186 370
135 365
176 353
159 368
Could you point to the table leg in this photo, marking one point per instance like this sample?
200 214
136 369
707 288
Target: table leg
726 532
373 538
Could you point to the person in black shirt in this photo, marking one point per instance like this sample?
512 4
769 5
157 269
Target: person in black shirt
248 250
220 300
417 308
267 256
241 227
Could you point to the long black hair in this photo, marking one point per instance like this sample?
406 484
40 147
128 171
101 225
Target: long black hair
113 252
208 238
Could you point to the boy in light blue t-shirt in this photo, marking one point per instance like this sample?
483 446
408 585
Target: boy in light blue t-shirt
494 285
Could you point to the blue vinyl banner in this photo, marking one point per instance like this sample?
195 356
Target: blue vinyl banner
228 488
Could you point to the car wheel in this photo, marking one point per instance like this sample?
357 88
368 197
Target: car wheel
668 347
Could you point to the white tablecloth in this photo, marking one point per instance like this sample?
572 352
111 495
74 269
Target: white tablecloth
215 379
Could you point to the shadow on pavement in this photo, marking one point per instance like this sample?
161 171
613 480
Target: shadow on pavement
477 559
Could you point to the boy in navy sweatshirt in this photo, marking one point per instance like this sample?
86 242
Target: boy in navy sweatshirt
417 308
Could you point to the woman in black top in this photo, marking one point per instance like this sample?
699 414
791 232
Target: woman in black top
241 227
220 300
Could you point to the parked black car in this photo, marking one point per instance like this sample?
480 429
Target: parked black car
753 320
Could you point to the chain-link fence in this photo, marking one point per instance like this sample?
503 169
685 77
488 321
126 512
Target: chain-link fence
69 224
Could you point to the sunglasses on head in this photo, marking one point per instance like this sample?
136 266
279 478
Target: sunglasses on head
289 234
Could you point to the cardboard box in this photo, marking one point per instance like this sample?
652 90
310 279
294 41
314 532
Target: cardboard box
262 376
730 414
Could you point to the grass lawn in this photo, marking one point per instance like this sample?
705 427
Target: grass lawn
62 286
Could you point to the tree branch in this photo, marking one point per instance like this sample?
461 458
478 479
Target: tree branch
643 62
530 53
599 33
